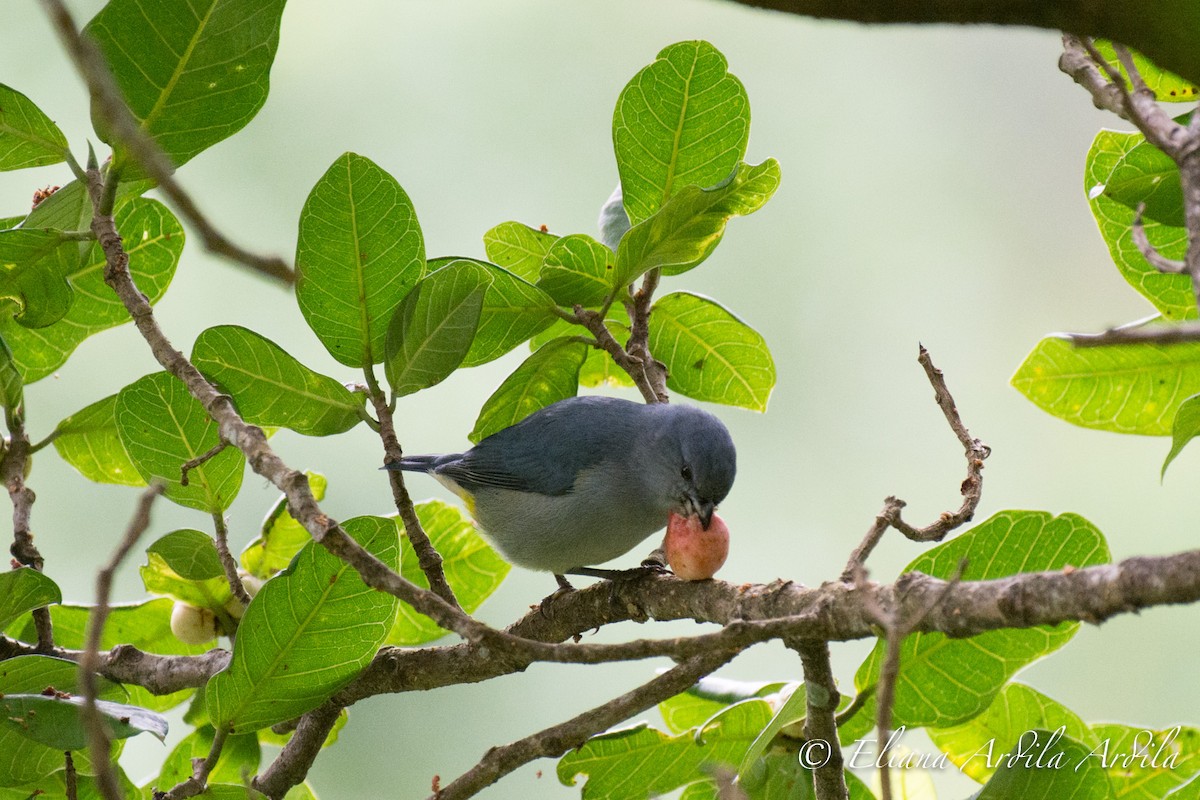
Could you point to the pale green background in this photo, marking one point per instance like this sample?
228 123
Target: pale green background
932 193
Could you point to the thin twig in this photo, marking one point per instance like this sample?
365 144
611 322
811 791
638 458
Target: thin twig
1156 259
428 558
107 101
971 488
292 765
99 742
199 460
638 346
1158 334
69 777
12 468
820 722
634 366
201 769
558 739
228 562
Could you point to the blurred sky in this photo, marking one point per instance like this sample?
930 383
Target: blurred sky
932 193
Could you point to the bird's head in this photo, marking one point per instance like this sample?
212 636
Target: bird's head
703 460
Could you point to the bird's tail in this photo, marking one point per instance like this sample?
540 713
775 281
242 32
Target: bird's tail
419 463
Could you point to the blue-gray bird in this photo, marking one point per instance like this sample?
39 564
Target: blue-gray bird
585 480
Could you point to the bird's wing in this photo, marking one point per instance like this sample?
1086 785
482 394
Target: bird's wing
544 453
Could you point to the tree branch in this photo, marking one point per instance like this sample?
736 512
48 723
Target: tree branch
558 739
820 723
99 742
13 466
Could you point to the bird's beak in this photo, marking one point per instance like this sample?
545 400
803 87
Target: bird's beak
706 513
703 509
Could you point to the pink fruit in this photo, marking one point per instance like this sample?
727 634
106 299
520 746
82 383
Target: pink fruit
696 554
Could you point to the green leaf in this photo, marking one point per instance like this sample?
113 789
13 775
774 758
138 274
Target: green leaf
791 710
946 681
434 327
710 696
1146 764
271 387
88 441
153 240
1189 791
472 567
307 633
976 746
239 754
1171 294
1185 426
22 760
1145 174
711 354
163 427
359 253
549 375
281 536
184 565
690 225
598 369
513 310
1167 86
22 590
578 270
518 248
200 72
638 762
54 720
190 553
1135 388
28 138
34 265
1047 765
683 120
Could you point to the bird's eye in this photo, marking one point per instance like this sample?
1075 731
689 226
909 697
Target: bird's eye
686 472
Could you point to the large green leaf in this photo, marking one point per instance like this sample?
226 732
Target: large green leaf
306 634
690 225
153 240
23 760
434 327
472 567
271 387
1146 764
1134 388
518 248
359 253
1170 294
513 310
281 536
639 762
549 375
1047 764
53 720
578 270
682 120
199 72
88 441
711 354
976 746
22 590
1145 174
946 681
163 427
12 390
28 138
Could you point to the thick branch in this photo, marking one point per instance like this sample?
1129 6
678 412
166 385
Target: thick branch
820 723
1166 32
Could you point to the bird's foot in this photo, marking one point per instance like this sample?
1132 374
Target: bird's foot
564 588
